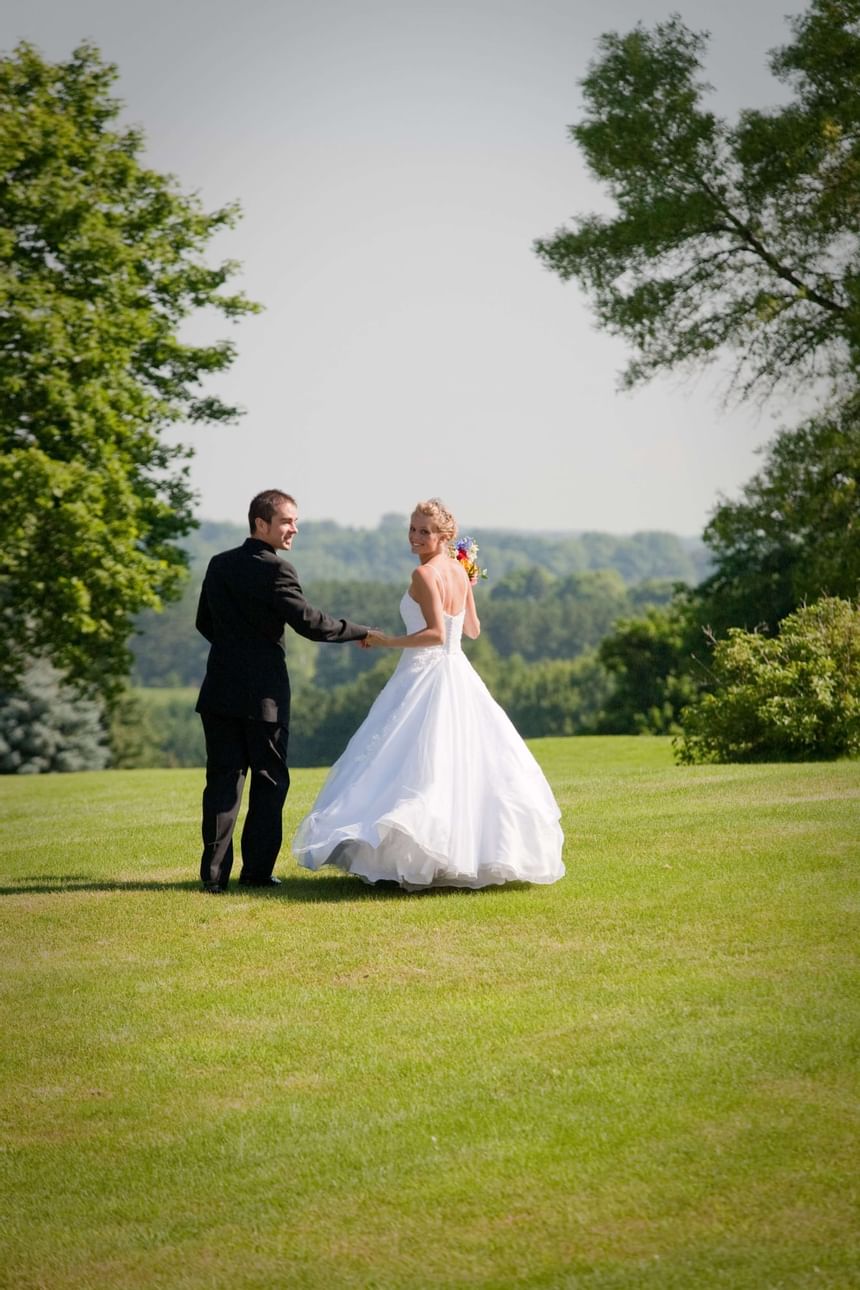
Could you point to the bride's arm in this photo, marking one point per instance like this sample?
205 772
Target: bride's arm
425 590
471 622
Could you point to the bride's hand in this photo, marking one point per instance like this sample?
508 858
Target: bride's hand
373 639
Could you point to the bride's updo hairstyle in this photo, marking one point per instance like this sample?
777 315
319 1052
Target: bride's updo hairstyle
440 515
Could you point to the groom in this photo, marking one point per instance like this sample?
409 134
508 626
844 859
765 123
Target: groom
247 598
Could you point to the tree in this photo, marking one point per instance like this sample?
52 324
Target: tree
100 264
324 721
558 696
741 238
533 614
791 697
654 671
795 532
46 726
136 739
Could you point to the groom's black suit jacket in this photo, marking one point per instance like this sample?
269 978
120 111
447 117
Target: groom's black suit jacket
248 596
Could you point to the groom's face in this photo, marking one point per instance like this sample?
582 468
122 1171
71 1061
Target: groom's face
281 528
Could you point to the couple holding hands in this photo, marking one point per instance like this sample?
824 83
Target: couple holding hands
435 788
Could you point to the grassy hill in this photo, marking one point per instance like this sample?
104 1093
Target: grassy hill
643 1076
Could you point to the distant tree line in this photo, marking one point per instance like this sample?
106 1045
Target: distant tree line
329 552
536 653
528 612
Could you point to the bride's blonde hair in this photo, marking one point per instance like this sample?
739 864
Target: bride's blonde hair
438 512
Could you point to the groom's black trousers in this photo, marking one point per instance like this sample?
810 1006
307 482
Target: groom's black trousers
235 745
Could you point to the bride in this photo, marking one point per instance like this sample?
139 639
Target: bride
435 788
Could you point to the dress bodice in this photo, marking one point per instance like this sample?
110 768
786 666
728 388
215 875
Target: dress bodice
413 620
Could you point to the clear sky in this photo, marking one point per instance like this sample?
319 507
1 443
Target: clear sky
395 160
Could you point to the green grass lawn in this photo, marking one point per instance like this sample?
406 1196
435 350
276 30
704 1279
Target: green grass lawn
643 1076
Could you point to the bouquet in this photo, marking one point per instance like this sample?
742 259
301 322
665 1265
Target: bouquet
466 551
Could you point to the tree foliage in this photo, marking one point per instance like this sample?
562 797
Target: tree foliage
555 696
739 238
794 534
101 261
791 697
532 614
322 722
652 663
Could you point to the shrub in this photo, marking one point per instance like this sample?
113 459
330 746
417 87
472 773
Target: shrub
791 697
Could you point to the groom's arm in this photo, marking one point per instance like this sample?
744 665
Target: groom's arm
203 622
303 618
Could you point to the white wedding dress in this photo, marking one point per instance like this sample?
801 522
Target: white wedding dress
435 788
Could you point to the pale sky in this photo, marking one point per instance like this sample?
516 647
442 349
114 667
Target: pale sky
395 160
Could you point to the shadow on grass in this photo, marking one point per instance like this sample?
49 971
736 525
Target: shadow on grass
315 890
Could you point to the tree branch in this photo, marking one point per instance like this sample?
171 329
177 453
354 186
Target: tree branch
737 225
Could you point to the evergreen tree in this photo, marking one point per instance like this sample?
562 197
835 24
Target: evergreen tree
46 726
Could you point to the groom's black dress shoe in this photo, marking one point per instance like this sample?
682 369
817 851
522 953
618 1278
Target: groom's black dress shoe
215 891
260 882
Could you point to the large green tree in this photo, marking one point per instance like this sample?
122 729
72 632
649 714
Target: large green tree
741 238
794 532
101 261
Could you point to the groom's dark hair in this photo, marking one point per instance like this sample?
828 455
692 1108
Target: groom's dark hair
264 504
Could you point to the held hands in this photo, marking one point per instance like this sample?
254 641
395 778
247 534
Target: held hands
373 640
